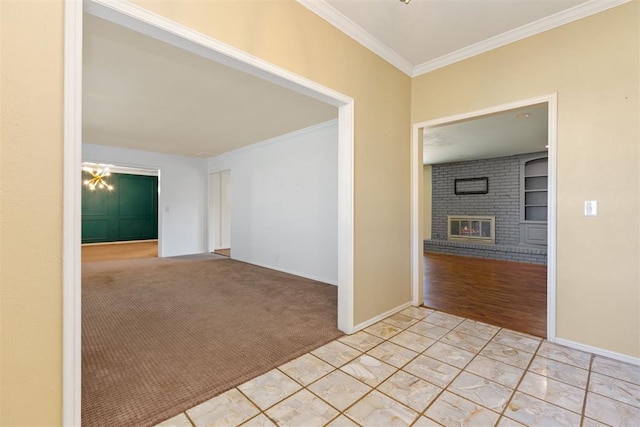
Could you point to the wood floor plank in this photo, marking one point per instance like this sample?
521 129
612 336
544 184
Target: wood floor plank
503 293
125 250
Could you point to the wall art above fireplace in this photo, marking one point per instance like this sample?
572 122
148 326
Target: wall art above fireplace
464 186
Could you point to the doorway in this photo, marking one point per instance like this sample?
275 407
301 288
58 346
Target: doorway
418 180
120 219
220 213
141 20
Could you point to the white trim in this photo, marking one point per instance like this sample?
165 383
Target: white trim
416 197
552 217
124 242
214 211
417 228
346 298
334 17
277 139
353 30
72 233
382 316
142 20
547 23
130 170
599 351
293 272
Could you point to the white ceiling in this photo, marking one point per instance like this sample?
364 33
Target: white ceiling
427 34
145 94
517 131
139 92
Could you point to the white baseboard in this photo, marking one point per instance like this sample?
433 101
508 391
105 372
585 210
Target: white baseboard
379 317
599 351
288 271
119 242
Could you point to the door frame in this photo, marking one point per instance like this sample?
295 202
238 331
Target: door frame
142 20
417 245
215 210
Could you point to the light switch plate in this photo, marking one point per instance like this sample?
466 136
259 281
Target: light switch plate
591 208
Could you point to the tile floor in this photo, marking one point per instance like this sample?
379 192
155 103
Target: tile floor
426 368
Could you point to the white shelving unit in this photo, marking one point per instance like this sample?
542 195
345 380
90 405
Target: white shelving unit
534 199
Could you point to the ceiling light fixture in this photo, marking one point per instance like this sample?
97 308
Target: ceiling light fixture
405 1
98 174
524 115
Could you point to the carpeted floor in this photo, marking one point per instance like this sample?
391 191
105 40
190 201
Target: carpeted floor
160 335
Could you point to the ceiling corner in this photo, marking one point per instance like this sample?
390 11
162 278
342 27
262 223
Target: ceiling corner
550 22
327 12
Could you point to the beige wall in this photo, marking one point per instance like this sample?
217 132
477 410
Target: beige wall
593 65
31 213
284 33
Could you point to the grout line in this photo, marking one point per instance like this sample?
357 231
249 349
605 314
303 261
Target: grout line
399 369
586 391
524 374
189 419
446 388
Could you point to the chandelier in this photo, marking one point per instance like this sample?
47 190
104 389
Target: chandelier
98 174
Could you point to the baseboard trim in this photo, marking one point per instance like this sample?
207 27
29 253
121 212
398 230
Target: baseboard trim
119 242
599 351
379 317
288 271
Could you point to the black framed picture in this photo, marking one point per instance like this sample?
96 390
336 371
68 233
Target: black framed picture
464 186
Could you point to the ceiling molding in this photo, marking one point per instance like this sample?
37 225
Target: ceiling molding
278 139
561 18
129 170
353 30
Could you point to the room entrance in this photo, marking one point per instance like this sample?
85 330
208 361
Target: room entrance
140 20
220 212
497 164
119 212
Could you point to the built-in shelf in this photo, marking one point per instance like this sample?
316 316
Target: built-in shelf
534 183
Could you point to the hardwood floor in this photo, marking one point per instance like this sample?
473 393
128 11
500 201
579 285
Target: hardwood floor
112 251
503 293
224 252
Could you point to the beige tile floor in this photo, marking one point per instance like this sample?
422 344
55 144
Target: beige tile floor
426 368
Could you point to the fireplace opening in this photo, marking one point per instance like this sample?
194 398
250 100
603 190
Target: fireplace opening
467 228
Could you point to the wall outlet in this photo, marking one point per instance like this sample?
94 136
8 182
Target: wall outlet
591 208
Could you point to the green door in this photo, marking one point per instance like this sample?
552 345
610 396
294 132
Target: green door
128 212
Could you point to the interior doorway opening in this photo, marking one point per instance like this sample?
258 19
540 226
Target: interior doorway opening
120 212
141 20
441 179
220 212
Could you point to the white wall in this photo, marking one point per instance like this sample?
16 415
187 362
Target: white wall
182 200
284 202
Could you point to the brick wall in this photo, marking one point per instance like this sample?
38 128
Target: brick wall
502 201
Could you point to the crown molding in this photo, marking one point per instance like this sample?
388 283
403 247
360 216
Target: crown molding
353 30
561 18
